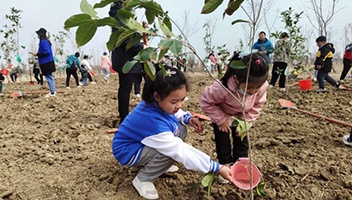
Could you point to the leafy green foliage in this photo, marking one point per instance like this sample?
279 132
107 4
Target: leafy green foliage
260 189
237 64
242 126
211 5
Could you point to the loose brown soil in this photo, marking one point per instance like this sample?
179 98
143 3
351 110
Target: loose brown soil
58 148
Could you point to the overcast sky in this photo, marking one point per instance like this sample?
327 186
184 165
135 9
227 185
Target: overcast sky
51 15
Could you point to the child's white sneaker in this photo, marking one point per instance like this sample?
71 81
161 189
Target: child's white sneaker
173 168
222 180
347 140
145 189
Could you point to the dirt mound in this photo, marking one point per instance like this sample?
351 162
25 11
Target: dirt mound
57 148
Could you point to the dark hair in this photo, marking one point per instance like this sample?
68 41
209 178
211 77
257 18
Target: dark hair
284 34
85 57
258 70
164 85
77 54
262 32
105 53
321 39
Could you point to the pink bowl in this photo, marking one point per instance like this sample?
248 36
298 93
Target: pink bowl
241 174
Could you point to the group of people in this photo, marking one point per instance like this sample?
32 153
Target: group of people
217 63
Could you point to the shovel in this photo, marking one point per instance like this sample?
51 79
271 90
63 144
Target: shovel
288 104
21 94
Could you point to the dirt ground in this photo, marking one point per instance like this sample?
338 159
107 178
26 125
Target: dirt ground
58 148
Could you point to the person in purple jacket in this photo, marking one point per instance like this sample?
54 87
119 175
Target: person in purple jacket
46 60
221 106
151 136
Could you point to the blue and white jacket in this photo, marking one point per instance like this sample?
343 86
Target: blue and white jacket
148 125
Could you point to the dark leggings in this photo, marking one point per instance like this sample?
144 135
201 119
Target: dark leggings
13 77
70 72
346 67
38 76
278 71
223 145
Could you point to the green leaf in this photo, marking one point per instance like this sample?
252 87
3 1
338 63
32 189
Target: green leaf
133 41
207 180
210 6
86 8
76 20
232 6
125 35
162 53
151 68
165 29
112 40
108 21
146 53
237 64
167 22
152 7
135 25
85 33
150 16
176 47
132 3
242 126
103 3
239 21
124 15
161 65
128 66
149 72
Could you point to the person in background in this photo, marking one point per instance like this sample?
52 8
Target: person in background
105 66
2 78
120 55
86 64
11 69
37 73
72 64
212 59
221 106
347 62
281 55
46 60
264 46
152 136
323 63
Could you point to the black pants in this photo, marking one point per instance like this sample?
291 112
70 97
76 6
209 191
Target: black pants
137 84
38 76
89 78
278 71
223 145
13 77
123 96
0 86
322 75
70 72
346 67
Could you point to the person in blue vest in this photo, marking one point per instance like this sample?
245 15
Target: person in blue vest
46 60
264 46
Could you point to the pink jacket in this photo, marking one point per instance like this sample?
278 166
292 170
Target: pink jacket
105 62
220 106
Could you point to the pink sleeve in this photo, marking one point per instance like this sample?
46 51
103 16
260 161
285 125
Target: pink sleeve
212 96
212 59
260 100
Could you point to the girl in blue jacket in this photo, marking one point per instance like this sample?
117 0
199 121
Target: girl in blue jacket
151 136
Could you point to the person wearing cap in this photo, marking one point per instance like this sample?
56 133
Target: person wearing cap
280 59
46 60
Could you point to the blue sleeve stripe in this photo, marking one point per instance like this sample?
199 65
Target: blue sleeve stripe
214 166
186 118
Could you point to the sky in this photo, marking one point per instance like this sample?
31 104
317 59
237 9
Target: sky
51 15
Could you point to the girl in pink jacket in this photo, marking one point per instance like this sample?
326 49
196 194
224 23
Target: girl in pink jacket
220 106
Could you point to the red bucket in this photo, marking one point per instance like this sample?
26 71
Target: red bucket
5 72
305 84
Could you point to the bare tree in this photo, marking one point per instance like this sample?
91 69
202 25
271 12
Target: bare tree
348 33
323 20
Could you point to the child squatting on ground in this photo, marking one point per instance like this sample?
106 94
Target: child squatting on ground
220 106
152 135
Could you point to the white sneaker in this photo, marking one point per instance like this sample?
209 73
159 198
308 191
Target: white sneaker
270 86
68 88
145 189
50 95
79 86
347 140
80 83
222 180
173 168
93 82
282 89
137 96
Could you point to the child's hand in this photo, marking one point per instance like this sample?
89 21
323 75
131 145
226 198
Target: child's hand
225 127
196 124
225 172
